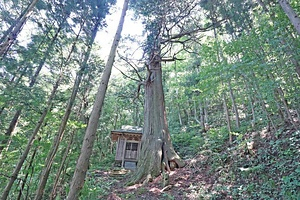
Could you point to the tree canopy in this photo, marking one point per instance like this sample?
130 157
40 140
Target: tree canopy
214 77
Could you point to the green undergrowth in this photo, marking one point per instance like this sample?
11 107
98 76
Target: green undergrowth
257 165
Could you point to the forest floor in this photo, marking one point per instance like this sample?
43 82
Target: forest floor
261 165
184 183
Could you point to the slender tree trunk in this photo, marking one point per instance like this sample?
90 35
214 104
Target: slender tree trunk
195 113
277 100
179 113
286 107
262 103
292 55
89 138
30 141
9 131
12 33
27 174
289 50
51 155
202 117
235 109
227 117
12 83
56 181
206 105
292 15
296 99
251 102
17 115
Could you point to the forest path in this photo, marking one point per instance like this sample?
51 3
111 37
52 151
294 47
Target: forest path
190 182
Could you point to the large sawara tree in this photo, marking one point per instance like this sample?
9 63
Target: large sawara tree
166 23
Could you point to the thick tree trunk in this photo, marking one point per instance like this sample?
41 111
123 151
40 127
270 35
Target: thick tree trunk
90 135
157 150
292 15
12 33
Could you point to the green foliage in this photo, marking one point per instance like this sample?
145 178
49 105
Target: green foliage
267 170
254 50
215 139
187 144
96 186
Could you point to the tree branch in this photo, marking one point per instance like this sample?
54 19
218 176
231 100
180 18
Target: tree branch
126 75
131 65
199 29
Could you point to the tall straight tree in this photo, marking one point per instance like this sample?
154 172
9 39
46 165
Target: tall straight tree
30 141
167 22
292 15
60 134
40 121
11 34
90 135
32 82
97 14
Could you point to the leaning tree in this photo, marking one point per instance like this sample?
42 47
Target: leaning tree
171 27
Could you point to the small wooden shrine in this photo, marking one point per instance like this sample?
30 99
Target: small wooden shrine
128 140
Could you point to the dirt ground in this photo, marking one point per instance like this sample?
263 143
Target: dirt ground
184 183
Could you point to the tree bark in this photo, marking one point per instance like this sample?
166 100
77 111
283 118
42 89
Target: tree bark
157 149
27 174
57 177
292 15
202 118
51 155
89 138
235 109
227 117
12 33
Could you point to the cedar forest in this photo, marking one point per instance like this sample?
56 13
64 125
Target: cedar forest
216 90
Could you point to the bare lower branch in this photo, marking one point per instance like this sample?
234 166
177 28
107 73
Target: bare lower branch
126 75
138 91
171 59
198 29
131 65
